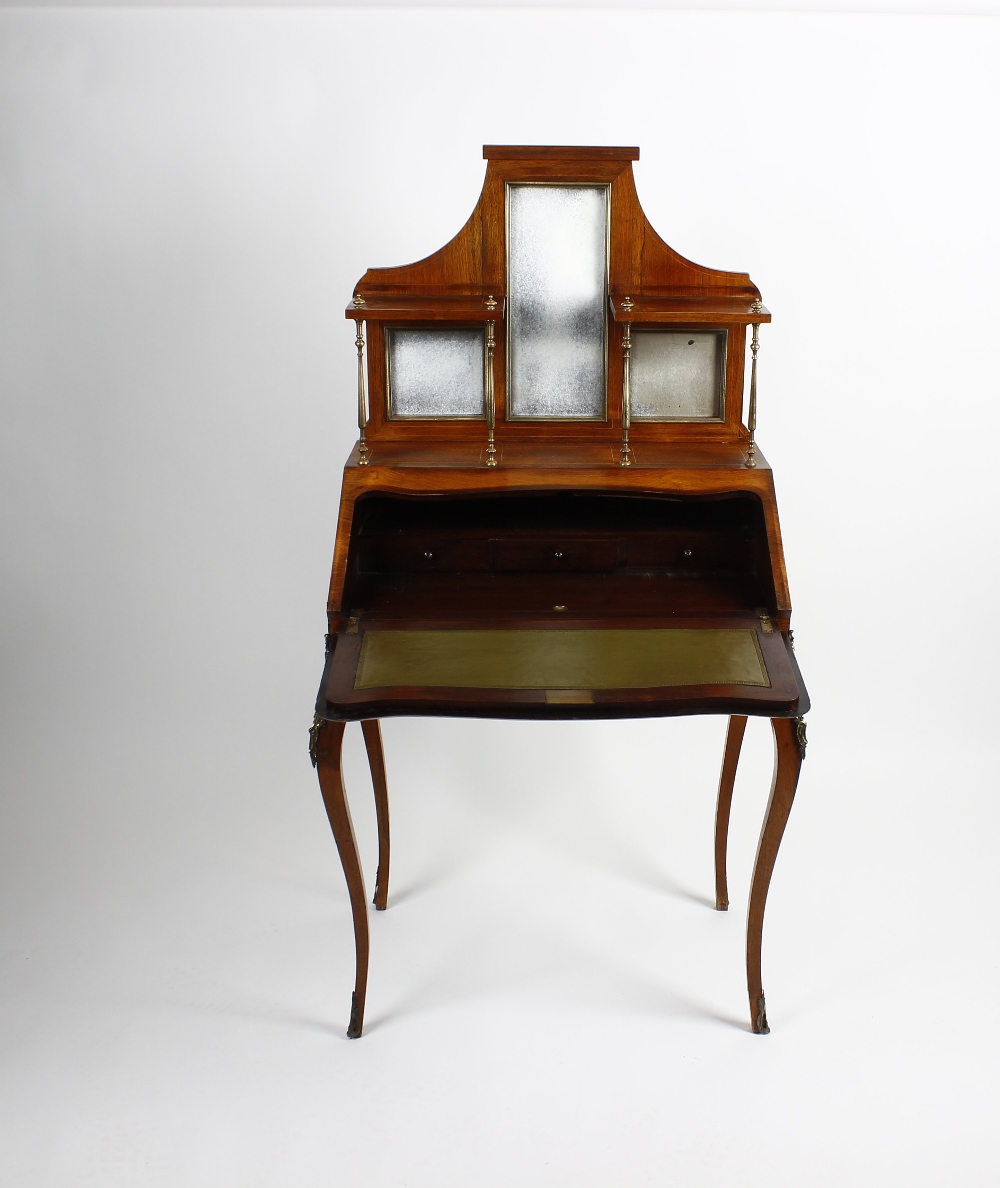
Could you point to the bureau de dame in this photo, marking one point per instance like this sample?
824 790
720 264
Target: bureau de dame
556 507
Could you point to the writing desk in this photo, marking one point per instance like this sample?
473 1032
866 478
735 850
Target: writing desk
554 510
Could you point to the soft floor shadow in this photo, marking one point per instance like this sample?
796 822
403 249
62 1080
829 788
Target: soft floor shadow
552 971
333 1027
333 888
623 860
659 881
428 880
321 889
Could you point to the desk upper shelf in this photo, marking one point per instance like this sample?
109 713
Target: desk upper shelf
556 313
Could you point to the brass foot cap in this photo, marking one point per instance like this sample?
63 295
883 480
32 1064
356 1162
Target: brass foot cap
760 1026
357 1019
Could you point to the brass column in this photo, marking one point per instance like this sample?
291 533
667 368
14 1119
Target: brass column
359 342
626 450
491 451
752 414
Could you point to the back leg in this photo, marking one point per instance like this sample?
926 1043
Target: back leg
730 759
376 761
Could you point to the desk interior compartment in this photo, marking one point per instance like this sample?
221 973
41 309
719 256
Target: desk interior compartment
588 554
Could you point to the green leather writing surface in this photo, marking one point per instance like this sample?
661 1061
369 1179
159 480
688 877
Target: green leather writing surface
619 658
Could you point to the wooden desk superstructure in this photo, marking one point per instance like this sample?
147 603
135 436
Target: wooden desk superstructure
554 509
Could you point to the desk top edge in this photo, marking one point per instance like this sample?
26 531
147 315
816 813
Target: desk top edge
601 459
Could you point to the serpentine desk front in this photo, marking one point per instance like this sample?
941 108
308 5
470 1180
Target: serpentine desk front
516 540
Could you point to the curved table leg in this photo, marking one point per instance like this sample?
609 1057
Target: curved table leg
376 761
328 739
789 751
730 759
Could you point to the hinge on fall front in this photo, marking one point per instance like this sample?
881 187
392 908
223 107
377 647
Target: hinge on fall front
765 621
352 623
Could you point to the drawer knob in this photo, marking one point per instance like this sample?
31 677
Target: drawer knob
558 554
428 554
687 552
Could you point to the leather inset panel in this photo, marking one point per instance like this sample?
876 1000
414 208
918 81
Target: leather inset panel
619 658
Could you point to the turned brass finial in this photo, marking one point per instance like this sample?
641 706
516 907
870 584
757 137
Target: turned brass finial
358 301
628 305
491 302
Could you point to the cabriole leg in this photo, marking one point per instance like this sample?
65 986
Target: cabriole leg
376 761
789 751
328 739
730 759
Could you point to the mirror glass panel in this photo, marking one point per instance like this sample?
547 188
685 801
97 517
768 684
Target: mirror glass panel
435 373
678 375
557 252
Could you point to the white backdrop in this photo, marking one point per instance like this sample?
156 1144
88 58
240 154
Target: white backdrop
188 196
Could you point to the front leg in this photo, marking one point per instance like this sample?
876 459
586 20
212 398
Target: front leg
789 751
327 739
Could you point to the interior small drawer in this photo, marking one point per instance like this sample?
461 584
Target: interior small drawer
515 555
415 553
689 550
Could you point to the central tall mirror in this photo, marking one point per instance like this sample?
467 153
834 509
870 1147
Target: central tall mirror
557 284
